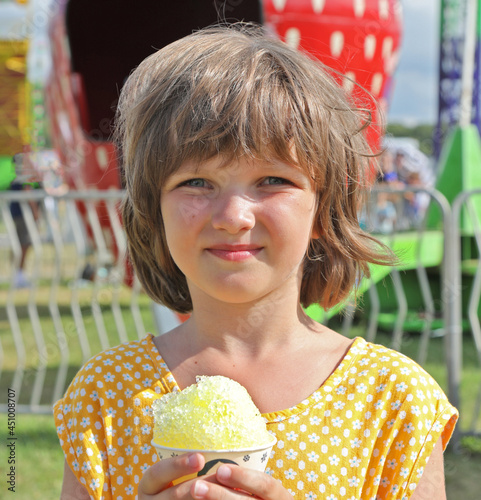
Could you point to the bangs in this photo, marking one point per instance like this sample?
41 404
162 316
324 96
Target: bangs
257 104
234 97
248 119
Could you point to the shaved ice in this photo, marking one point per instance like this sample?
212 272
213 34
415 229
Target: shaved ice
215 413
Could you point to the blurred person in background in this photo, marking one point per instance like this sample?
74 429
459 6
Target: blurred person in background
23 234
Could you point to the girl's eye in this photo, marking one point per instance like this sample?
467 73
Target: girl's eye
195 183
275 181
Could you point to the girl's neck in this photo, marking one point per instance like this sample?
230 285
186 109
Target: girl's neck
273 321
263 344
261 347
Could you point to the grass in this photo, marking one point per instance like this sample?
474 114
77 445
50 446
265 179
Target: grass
462 473
39 459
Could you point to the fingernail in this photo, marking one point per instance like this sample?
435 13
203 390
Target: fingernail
200 489
224 472
193 461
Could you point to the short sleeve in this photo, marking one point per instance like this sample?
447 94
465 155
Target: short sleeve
82 432
105 421
417 414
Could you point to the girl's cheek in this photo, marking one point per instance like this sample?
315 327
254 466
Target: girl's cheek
189 210
200 204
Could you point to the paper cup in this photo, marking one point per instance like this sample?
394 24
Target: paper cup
249 458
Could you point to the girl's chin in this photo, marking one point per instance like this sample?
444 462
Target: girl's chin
234 294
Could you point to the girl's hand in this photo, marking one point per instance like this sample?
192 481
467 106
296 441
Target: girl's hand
159 477
230 482
233 482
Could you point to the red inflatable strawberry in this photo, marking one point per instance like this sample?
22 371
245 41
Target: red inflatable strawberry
358 39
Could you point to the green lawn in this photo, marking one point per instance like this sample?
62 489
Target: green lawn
39 459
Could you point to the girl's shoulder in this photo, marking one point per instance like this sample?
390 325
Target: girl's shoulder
377 356
141 354
392 386
379 366
128 349
136 364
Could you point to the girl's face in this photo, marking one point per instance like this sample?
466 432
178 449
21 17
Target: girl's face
239 232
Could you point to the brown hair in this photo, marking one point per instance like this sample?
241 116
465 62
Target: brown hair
233 91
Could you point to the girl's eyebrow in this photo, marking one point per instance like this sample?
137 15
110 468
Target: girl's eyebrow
189 167
183 172
287 167
272 167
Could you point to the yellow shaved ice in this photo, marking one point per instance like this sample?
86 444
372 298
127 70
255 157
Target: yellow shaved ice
216 413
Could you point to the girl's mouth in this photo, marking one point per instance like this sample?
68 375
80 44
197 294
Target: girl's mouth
234 253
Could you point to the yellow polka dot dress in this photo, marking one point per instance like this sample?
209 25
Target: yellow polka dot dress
364 434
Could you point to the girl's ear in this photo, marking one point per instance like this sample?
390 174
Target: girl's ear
315 232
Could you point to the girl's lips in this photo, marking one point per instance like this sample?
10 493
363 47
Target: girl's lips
234 253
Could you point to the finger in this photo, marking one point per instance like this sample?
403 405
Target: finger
256 483
207 488
160 476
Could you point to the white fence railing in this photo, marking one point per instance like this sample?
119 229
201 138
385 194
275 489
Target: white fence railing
75 295
70 299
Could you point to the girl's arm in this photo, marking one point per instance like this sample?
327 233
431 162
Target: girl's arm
431 485
71 488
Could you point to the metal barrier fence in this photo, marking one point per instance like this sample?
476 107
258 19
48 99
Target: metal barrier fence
419 249
466 216
70 299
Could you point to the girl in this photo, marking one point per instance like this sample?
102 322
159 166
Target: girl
243 166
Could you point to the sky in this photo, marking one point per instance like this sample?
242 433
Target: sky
414 97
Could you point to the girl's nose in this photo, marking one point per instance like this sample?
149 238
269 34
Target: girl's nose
233 213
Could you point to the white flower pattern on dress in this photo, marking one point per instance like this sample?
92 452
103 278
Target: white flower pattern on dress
361 435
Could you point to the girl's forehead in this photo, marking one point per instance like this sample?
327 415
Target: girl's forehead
238 164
